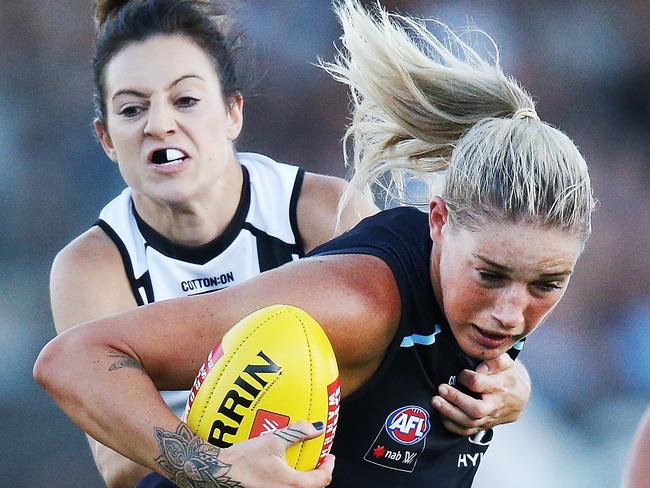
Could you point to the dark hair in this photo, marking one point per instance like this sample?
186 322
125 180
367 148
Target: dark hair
120 23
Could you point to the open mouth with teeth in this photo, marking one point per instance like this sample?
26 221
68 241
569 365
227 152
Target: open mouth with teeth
168 156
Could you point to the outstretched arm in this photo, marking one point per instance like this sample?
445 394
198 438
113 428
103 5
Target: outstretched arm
503 388
106 374
88 282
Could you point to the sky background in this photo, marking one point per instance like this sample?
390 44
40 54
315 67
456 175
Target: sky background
587 63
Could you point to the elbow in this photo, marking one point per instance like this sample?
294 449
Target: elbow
54 368
48 364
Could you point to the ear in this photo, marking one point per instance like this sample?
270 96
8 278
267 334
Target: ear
105 140
235 115
437 218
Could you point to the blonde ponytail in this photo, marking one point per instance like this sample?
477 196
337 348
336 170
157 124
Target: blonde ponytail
416 103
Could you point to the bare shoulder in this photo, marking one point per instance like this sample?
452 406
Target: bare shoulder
318 205
88 280
353 297
365 311
91 251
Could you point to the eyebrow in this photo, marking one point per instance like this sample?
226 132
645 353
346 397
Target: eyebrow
507 270
140 94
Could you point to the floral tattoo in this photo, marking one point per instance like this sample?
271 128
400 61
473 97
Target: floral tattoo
189 462
124 361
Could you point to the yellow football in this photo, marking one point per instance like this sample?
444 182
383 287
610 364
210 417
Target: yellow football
273 368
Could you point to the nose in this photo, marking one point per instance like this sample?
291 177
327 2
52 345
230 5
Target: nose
510 307
160 121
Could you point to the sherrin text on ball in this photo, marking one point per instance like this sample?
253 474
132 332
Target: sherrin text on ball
273 368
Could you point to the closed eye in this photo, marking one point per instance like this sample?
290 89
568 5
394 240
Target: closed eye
548 286
490 277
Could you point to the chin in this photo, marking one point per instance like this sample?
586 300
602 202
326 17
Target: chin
483 353
488 354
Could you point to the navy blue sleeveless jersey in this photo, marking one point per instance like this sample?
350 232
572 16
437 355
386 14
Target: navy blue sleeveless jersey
388 434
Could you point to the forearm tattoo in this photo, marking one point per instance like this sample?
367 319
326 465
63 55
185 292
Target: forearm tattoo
123 361
189 462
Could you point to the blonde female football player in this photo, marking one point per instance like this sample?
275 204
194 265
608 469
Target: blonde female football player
198 216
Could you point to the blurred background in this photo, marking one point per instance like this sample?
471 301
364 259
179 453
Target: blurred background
586 62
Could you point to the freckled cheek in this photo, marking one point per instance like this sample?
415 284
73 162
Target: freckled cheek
537 313
466 303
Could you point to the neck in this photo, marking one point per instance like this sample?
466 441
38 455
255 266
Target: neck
200 219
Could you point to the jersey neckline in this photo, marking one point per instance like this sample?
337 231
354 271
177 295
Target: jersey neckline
205 252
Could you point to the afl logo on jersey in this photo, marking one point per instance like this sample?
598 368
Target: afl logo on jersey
408 425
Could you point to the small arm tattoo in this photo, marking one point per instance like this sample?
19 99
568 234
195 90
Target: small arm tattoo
124 361
189 462
290 434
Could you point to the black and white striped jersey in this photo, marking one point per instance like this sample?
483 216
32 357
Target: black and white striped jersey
262 235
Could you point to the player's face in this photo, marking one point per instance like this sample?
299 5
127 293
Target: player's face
168 126
498 284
